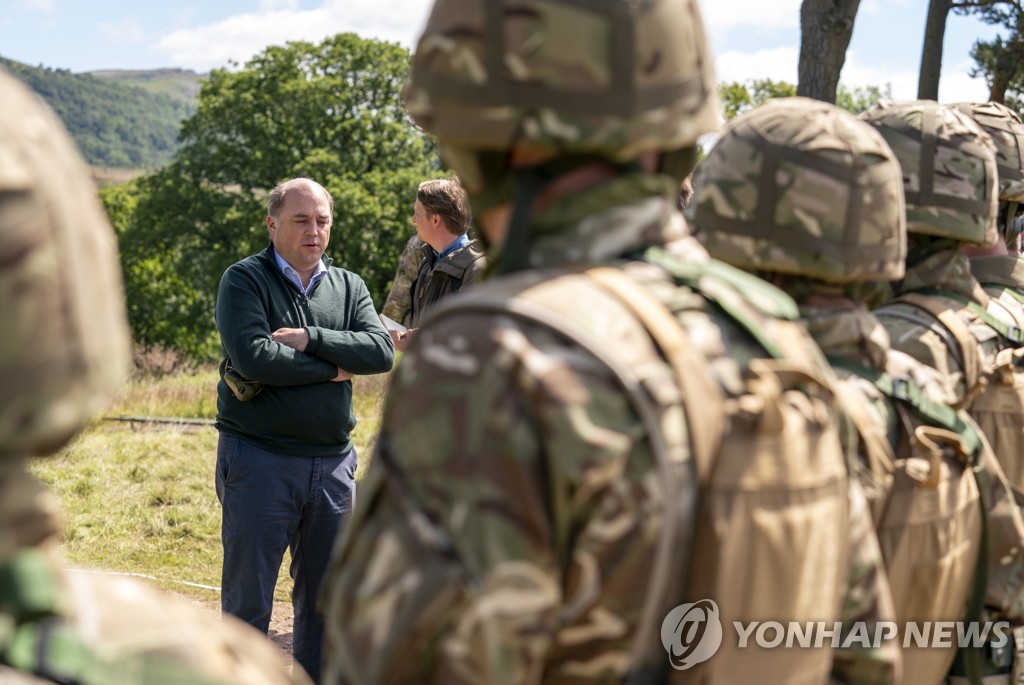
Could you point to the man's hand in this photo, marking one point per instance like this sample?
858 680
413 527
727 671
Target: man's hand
343 375
295 338
401 338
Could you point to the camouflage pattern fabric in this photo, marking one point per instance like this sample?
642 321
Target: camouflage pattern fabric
929 581
398 305
802 187
485 74
1005 128
512 548
920 336
949 169
65 350
66 342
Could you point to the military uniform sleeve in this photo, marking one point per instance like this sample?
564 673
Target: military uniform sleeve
500 485
399 300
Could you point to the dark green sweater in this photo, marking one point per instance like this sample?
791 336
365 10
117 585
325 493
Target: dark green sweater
299 411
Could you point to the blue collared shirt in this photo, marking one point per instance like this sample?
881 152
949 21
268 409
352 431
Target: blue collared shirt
293 275
461 241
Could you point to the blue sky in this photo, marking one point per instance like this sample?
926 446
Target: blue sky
751 38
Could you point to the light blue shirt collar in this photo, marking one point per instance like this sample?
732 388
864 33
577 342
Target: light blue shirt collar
459 242
289 271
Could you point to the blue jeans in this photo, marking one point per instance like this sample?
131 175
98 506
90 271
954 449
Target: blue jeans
270 502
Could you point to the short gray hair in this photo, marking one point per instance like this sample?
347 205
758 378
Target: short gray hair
276 198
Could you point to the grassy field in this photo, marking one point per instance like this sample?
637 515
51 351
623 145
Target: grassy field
140 498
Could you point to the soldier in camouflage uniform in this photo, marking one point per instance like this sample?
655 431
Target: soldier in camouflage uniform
1000 270
398 304
65 349
779 161
531 513
939 315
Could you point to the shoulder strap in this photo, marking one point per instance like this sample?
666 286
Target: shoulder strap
702 396
970 352
1008 330
905 390
1012 292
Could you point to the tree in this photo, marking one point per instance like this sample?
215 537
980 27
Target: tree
825 30
931 50
331 112
739 97
991 11
1001 60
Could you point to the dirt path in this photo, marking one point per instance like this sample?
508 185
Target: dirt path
281 621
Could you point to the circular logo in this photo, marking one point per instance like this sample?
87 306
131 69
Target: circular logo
691 633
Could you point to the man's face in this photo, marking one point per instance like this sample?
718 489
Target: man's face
303 226
424 221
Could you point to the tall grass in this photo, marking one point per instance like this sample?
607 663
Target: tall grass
139 498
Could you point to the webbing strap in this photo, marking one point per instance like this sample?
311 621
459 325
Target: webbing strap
775 303
1012 292
1008 330
701 394
970 352
904 389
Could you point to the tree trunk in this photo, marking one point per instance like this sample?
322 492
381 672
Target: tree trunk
825 30
931 50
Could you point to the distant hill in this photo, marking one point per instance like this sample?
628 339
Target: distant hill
120 119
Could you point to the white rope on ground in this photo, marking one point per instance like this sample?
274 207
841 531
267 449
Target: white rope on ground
147 577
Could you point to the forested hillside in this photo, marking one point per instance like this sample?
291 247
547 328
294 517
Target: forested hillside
114 123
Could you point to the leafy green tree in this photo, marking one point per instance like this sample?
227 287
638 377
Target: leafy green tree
330 111
861 98
114 124
739 97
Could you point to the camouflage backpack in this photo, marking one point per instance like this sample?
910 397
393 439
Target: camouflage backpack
998 408
773 442
812 195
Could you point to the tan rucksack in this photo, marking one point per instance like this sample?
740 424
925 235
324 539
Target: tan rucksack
763 496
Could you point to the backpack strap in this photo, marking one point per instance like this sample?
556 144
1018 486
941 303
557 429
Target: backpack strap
1009 331
905 390
970 351
701 393
1012 292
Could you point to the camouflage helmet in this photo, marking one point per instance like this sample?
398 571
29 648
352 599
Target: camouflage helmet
798 186
65 338
1004 126
613 78
949 169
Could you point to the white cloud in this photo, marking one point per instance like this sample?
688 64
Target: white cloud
778 64
127 30
38 5
720 16
240 37
271 5
954 85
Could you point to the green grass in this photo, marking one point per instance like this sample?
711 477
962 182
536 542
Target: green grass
141 499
